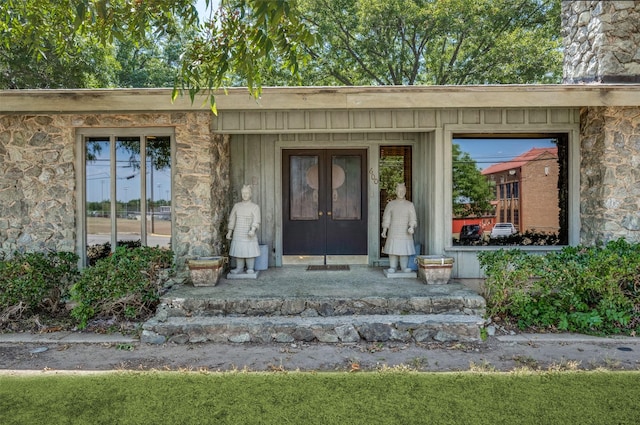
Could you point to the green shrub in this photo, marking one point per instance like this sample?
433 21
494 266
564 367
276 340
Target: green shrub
126 285
592 290
35 282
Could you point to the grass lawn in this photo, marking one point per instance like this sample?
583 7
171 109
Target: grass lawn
577 398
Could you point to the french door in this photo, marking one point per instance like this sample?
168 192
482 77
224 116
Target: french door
324 202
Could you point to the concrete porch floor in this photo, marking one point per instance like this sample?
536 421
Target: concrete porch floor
296 282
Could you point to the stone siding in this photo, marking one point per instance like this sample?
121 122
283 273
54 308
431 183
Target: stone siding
610 174
37 184
601 40
201 192
38 179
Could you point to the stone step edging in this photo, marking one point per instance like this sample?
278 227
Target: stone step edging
334 329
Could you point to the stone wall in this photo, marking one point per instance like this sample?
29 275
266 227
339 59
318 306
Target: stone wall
601 40
37 184
610 174
38 179
201 191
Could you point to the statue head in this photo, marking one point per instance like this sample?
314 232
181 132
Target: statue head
401 190
246 192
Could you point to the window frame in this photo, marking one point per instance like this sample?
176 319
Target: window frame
571 132
112 133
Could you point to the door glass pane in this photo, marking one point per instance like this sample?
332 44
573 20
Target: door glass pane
346 187
159 191
98 189
128 219
303 187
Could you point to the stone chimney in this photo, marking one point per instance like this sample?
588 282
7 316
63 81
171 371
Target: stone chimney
602 46
601 41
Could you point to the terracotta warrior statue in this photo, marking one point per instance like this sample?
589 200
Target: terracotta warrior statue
398 224
244 221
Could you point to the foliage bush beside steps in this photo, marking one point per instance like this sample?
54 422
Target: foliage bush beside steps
126 285
34 283
592 290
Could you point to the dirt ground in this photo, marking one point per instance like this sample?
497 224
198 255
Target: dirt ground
507 353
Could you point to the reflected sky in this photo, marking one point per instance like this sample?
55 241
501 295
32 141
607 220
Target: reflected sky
487 152
127 181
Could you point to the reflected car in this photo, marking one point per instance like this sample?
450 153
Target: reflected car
501 230
470 232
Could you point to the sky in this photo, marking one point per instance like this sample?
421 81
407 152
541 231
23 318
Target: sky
201 5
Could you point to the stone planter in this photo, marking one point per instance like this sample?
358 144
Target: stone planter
206 271
434 269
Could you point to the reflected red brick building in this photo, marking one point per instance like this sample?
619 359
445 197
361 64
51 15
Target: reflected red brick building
526 190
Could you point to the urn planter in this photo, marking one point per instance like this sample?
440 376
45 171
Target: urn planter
206 271
434 269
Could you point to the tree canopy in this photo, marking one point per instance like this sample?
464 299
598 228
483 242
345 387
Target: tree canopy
472 192
255 43
91 43
406 42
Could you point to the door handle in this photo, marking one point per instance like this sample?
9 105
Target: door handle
328 212
320 213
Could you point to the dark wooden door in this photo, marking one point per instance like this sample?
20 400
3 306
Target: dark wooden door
324 202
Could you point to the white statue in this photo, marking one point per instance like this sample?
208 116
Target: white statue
244 221
398 224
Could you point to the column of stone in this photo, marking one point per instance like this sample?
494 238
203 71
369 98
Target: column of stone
601 41
201 187
610 174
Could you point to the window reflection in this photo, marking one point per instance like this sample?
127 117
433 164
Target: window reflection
158 157
128 193
98 190
128 222
506 180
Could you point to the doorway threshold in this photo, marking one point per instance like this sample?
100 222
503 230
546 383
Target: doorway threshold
320 260
331 267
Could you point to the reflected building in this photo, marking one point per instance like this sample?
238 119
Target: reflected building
526 191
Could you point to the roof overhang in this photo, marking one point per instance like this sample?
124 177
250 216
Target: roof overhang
323 98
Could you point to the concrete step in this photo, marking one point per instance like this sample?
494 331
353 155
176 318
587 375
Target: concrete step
466 303
327 329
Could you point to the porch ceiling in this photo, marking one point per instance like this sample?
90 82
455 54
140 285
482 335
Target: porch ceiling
324 98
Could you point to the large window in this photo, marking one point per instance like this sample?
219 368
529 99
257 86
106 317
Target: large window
127 190
519 181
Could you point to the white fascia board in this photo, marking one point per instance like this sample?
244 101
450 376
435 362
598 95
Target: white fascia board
323 98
